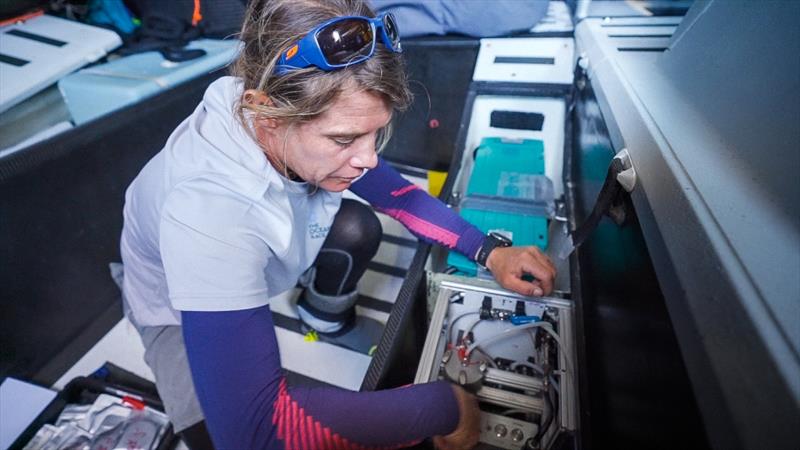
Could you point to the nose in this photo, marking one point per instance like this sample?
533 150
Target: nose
365 156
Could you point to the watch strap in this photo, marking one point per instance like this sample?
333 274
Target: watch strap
491 242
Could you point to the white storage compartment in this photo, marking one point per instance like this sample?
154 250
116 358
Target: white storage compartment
526 60
36 53
551 133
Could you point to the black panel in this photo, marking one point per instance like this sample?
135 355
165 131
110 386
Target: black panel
8 59
642 49
637 25
395 360
639 36
667 10
61 203
523 60
37 38
516 120
640 395
440 70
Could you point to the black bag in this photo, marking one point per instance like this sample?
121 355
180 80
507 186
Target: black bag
15 8
167 26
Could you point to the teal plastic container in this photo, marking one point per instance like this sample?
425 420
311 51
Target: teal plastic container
506 167
522 229
505 194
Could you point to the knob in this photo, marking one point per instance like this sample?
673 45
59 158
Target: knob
500 430
517 435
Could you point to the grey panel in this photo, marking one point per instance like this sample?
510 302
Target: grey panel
745 89
711 125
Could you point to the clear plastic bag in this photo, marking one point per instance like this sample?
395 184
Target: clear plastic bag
109 423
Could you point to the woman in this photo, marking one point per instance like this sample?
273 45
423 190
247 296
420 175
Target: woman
246 196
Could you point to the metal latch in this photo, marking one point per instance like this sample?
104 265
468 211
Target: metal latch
626 177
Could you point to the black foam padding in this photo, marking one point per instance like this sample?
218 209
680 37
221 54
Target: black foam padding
61 203
517 120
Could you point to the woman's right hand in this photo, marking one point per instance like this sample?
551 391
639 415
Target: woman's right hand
466 434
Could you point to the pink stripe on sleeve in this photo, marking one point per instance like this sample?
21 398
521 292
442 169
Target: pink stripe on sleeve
291 438
300 431
404 190
312 438
424 228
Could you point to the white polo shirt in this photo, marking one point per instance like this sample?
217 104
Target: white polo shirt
210 225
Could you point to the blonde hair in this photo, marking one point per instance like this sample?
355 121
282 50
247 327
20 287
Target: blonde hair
272 26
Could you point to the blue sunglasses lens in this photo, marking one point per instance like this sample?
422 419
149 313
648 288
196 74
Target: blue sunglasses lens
346 41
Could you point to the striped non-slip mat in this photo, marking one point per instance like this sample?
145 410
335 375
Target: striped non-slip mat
311 362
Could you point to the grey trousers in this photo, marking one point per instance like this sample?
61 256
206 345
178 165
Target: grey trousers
165 353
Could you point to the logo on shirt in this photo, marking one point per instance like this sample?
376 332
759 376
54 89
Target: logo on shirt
316 231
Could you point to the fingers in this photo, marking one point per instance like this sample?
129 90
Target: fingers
440 443
532 261
544 275
466 434
510 264
520 286
542 268
469 414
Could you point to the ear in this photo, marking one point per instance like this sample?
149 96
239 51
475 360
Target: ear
255 98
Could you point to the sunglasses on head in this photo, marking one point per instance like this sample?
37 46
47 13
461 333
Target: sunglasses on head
340 42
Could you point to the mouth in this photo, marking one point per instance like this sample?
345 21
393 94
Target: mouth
348 179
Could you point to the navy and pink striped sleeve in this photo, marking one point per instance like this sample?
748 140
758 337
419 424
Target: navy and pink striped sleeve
237 374
426 217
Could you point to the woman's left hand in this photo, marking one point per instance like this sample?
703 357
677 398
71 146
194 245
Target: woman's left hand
510 264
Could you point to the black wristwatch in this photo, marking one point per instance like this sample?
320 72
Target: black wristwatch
493 240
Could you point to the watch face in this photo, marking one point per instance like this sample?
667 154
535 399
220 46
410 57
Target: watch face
503 240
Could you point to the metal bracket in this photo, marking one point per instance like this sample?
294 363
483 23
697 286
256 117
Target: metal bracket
627 178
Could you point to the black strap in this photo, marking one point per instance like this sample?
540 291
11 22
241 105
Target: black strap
605 199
